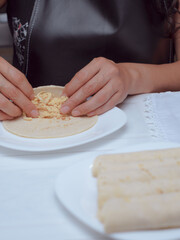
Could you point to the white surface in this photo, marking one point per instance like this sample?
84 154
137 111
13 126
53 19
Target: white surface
107 123
29 208
77 183
164 115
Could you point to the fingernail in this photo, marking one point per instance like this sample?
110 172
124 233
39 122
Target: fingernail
34 113
75 113
32 96
65 109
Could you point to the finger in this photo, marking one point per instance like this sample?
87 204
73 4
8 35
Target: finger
4 116
13 93
8 107
91 87
17 78
107 106
99 99
83 76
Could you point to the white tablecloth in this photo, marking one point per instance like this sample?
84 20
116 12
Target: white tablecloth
163 115
29 208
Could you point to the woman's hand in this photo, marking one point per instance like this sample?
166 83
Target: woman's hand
15 93
107 82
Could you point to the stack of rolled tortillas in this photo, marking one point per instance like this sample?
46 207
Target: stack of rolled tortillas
138 191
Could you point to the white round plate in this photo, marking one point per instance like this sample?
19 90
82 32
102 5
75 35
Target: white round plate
107 123
77 191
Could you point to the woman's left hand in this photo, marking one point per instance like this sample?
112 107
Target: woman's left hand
107 82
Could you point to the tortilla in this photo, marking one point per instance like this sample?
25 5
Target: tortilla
127 190
154 211
136 160
49 128
138 191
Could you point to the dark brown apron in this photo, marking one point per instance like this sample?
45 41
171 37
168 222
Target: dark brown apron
65 35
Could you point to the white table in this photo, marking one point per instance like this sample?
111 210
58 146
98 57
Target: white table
29 208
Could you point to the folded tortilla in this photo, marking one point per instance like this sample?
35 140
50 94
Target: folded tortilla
124 161
143 181
144 174
108 190
141 213
49 128
138 191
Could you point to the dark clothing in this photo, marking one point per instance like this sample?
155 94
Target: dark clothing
63 36
19 15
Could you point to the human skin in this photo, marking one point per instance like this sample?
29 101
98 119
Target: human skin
108 83
15 87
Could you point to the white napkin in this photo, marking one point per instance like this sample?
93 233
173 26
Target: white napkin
162 113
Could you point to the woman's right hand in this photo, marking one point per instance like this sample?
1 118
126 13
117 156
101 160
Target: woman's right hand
16 93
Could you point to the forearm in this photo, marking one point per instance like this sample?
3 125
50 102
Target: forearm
146 78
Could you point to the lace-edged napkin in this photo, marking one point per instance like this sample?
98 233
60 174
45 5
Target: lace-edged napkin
162 113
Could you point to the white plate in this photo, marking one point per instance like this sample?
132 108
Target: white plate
107 123
76 190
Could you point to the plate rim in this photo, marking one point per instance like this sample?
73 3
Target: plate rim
67 146
122 235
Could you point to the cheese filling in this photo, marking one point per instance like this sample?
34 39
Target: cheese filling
48 106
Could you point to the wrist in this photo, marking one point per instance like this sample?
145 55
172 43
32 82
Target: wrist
137 78
148 78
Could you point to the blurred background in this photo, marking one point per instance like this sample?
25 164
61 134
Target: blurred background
6 50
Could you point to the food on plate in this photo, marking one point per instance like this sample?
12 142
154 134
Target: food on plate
135 159
141 213
138 191
50 123
48 106
126 190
